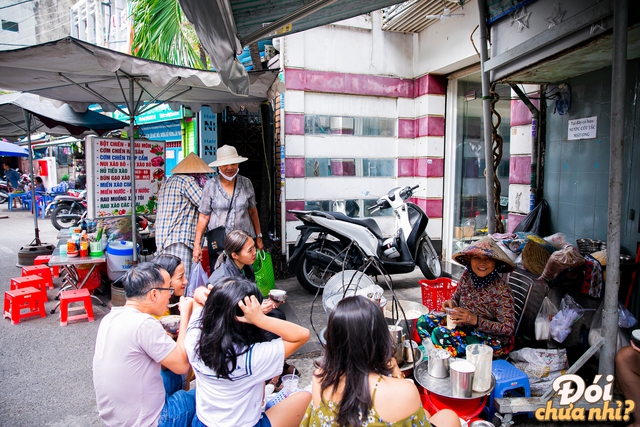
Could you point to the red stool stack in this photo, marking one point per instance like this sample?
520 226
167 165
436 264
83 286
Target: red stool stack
44 259
32 281
39 270
20 299
76 295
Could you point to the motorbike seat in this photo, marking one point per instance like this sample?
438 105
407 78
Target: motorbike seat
369 223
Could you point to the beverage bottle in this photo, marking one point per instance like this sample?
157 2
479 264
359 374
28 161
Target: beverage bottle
84 244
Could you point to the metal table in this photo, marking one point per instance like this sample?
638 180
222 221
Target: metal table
69 266
442 386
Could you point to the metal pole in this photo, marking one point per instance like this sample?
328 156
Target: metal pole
132 169
486 113
27 119
618 98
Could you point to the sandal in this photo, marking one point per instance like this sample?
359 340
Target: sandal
277 383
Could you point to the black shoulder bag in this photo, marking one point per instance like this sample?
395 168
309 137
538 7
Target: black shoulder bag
215 237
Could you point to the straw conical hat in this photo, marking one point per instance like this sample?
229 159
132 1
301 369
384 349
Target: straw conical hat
227 155
486 247
192 164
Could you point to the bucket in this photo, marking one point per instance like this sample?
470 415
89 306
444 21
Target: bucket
117 295
119 258
462 378
93 281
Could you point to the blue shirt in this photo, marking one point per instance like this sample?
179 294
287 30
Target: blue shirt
12 176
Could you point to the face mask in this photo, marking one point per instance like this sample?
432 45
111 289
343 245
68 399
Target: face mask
229 178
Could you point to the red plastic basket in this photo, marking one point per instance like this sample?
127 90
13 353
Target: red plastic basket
435 292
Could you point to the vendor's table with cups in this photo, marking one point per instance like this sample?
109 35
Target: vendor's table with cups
69 266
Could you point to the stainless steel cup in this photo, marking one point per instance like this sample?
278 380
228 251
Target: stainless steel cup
462 378
438 364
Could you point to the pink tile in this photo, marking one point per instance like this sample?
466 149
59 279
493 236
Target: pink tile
520 114
432 207
294 167
406 128
430 167
296 205
519 169
294 124
406 167
356 84
514 220
430 126
430 84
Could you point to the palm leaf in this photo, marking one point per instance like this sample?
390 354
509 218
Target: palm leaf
161 33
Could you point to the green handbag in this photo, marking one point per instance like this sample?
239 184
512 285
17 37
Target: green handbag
263 270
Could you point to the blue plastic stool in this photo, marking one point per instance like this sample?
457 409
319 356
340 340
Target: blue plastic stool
508 377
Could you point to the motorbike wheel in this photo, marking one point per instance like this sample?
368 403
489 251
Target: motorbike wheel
60 224
428 260
309 275
3 197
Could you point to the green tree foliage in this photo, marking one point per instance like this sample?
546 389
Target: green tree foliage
162 33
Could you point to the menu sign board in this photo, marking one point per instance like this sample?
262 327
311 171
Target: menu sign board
109 177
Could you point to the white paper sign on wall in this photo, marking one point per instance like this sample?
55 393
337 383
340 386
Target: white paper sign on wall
585 128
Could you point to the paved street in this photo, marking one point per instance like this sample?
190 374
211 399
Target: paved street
45 369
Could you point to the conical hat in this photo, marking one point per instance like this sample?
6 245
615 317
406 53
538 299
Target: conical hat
192 164
486 247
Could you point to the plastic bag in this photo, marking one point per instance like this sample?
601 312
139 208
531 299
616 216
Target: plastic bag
263 270
595 332
542 366
561 260
537 221
543 319
570 312
197 277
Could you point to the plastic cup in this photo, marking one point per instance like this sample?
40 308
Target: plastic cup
482 357
277 295
63 251
290 383
635 337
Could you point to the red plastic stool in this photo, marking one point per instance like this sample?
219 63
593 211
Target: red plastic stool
33 281
40 270
76 295
44 259
466 409
20 299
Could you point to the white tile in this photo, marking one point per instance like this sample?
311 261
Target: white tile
293 53
433 105
294 188
520 139
290 230
344 146
519 198
406 108
430 188
434 228
294 101
349 105
294 145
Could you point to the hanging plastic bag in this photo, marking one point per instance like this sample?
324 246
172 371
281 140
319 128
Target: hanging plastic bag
197 277
263 269
543 319
625 318
595 332
537 221
570 312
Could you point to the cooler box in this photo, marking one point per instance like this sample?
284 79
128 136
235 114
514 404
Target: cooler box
119 258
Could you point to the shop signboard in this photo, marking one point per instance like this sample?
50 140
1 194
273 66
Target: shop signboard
109 179
208 131
585 128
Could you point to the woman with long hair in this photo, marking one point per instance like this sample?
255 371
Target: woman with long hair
357 382
227 349
176 269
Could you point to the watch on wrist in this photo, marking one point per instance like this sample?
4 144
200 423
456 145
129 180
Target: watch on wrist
259 235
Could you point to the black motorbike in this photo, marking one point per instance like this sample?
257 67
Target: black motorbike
67 210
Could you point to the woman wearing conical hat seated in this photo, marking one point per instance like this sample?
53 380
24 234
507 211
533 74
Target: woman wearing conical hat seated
482 306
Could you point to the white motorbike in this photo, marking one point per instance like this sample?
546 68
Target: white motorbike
330 242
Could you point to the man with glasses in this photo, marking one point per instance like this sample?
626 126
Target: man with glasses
131 349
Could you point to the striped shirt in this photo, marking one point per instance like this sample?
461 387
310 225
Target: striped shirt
177 213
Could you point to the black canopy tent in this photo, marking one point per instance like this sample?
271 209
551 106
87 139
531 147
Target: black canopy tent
82 74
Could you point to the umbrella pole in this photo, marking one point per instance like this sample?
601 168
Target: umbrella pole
36 241
132 164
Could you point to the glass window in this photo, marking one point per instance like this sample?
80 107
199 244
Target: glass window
354 208
349 167
356 126
470 201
